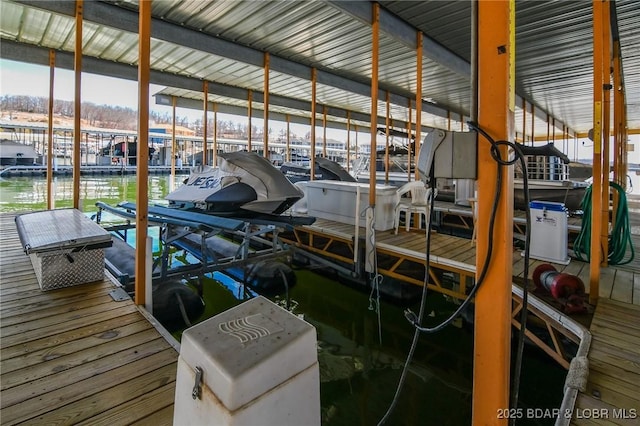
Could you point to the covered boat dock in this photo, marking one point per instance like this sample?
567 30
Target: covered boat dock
521 71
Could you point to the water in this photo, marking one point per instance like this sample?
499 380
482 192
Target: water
359 374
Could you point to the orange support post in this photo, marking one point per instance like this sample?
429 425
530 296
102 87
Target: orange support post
77 100
249 114
418 97
496 105
172 182
265 130
312 162
348 140
50 152
205 122
617 119
606 122
288 137
214 161
324 131
409 159
596 253
375 47
142 160
387 123
524 121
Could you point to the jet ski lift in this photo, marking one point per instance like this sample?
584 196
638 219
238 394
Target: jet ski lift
191 231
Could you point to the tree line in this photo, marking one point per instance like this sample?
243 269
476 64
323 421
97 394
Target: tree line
115 117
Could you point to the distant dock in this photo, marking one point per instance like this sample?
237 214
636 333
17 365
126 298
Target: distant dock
17 171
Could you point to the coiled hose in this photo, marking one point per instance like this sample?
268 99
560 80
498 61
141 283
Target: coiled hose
620 236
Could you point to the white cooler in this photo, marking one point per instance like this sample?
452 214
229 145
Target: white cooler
336 200
549 232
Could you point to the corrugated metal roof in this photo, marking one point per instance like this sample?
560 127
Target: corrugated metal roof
553 49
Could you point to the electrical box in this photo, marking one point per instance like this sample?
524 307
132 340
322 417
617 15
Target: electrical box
452 154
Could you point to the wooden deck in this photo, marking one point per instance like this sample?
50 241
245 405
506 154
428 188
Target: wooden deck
613 389
620 283
74 355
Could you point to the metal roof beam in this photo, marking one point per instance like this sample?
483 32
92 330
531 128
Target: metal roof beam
117 17
12 50
405 33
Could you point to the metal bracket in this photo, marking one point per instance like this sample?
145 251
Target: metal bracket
196 393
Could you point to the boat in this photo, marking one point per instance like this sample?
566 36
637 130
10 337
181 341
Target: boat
401 166
16 154
548 173
244 185
325 169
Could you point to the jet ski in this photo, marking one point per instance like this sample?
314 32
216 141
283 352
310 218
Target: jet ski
324 169
244 185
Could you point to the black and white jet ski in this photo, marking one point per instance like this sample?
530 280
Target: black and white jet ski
244 185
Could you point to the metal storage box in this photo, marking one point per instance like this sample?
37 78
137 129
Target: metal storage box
336 200
549 232
66 248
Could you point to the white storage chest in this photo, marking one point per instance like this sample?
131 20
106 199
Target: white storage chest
336 200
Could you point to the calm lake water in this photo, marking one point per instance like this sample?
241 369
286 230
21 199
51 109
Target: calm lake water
359 374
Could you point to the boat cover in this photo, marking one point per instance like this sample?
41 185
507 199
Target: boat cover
547 150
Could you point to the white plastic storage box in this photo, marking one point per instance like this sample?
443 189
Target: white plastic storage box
549 232
254 364
336 200
66 247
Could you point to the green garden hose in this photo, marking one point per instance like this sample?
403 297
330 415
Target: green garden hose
620 236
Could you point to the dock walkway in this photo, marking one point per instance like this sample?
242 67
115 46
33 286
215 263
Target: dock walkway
74 355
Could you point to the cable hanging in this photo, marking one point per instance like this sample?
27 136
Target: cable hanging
416 320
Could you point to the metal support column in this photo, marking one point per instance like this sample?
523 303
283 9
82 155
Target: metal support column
77 100
349 141
205 122
312 160
595 251
288 157
50 151
418 99
606 122
375 46
265 130
496 105
214 161
142 161
386 139
172 181
249 114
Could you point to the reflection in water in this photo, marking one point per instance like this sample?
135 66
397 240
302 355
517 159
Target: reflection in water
358 373
30 193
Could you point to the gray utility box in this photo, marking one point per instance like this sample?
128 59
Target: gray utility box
254 364
65 247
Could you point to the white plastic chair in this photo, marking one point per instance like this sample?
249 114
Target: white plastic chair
417 203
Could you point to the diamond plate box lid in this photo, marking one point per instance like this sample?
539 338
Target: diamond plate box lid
60 229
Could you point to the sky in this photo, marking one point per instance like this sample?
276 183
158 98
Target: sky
18 78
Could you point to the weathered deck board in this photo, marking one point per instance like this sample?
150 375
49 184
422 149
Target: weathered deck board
74 354
614 365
